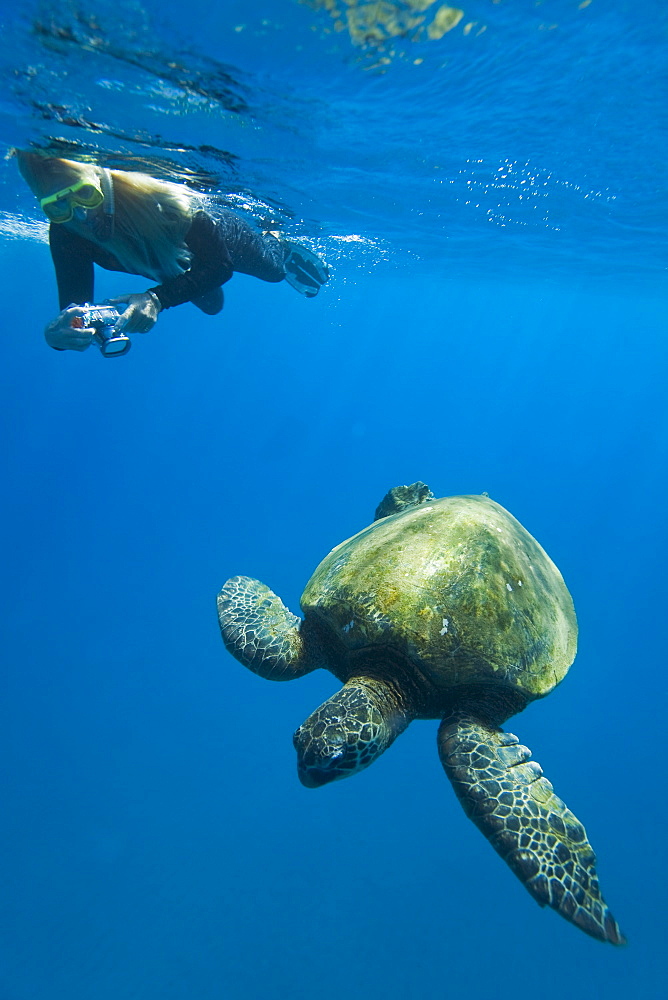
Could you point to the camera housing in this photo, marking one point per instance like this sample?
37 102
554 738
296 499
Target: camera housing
103 320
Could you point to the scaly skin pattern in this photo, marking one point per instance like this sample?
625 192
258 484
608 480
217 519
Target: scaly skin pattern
456 587
349 731
259 630
505 795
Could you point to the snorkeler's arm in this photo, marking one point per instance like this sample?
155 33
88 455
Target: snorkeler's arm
73 262
210 265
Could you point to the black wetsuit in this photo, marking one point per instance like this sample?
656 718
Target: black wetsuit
218 248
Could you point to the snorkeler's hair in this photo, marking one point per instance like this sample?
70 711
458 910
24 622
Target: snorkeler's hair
151 216
45 174
151 220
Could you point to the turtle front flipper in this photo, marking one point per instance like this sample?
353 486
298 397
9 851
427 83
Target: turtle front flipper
350 730
260 632
505 795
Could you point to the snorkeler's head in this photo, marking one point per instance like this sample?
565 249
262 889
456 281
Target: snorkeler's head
46 175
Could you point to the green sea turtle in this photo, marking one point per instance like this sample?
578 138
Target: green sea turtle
441 609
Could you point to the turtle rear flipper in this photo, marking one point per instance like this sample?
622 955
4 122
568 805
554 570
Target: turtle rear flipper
260 632
505 795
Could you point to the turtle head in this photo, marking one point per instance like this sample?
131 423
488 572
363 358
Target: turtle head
349 731
400 498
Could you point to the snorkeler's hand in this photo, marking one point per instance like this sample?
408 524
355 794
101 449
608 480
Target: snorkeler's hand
63 336
140 315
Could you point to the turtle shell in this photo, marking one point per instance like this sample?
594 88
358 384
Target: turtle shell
457 590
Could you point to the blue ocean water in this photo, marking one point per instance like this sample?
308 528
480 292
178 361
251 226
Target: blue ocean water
492 205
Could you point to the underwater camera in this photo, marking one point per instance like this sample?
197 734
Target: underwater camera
103 320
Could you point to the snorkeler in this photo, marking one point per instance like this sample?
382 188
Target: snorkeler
132 222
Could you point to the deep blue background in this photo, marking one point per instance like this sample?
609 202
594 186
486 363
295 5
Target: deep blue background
156 843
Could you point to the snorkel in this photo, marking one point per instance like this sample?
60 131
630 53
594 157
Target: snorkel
103 222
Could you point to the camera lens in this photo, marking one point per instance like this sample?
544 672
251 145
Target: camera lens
118 345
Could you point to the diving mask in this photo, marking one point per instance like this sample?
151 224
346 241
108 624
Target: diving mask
60 207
